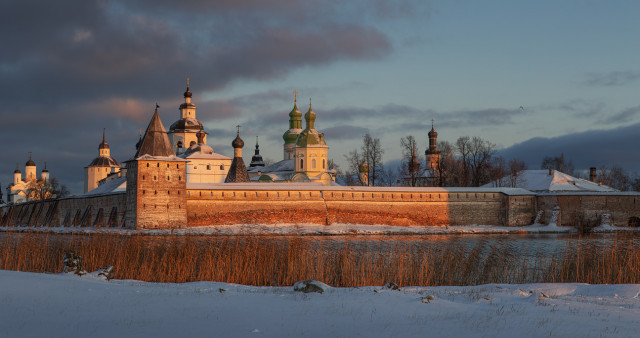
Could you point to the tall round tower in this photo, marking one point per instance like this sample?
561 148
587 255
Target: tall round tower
433 153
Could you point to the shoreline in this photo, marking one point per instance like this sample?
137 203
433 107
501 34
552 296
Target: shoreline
323 230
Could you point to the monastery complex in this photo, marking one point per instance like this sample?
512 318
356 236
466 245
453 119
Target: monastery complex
176 180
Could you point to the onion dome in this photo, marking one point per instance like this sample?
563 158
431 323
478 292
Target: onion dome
295 124
45 170
432 133
187 93
310 117
17 171
310 136
237 142
30 162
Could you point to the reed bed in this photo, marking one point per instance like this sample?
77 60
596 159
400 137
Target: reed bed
281 261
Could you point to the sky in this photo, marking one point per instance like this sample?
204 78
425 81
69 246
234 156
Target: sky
69 69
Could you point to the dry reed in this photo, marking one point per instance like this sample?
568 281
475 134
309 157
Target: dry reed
282 261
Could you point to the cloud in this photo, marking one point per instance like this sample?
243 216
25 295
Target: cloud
344 133
69 69
593 148
617 78
626 115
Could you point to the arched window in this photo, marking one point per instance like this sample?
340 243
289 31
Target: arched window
313 163
301 163
179 144
324 164
222 167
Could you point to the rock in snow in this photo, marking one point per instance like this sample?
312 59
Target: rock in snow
307 286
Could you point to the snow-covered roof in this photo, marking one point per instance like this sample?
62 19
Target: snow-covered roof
202 156
116 185
278 167
556 181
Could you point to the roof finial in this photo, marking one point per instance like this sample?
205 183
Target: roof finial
295 97
187 83
309 103
238 126
29 156
103 131
157 106
431 123
256 140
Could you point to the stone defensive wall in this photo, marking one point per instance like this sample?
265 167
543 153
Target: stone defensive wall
621 208
77 211
209 204
272 203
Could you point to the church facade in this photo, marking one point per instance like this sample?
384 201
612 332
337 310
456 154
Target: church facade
305 154
31 187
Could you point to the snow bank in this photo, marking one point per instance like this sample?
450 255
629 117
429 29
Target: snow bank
60 305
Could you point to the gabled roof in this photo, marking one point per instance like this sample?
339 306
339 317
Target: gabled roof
544 181
155 141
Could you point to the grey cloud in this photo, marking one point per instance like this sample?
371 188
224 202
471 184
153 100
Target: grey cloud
617 78
344 132
626 115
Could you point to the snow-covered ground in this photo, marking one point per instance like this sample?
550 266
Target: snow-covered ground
65 305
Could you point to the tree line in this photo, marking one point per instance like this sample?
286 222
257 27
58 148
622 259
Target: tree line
467 162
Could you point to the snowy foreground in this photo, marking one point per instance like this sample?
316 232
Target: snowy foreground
65 305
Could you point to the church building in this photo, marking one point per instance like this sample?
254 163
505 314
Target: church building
31 187
305 154
100 167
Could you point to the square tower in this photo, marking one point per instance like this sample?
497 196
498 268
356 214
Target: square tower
156 183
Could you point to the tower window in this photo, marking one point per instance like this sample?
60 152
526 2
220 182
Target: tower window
155 178
301 163
222 167
167 178
167 165
147 165
208 167
313 163
324 164
158 165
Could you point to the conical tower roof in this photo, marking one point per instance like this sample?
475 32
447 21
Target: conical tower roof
155 141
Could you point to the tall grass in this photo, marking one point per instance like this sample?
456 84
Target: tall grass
284 260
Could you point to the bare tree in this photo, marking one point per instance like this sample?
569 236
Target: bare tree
373 151
558 163
410 164
475 154
447 170
354 159
515 168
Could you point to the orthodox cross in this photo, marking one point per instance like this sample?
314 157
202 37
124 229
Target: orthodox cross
187 82
238 126
431 123
295 96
